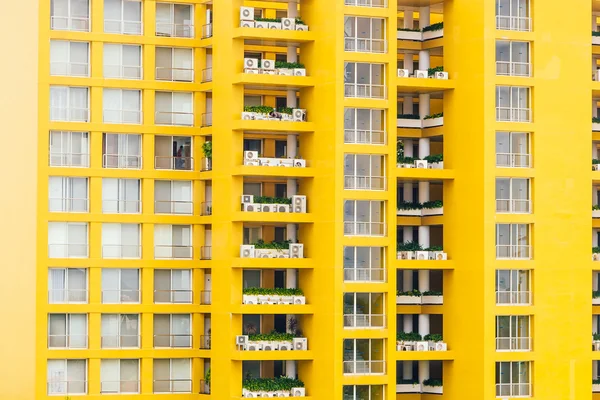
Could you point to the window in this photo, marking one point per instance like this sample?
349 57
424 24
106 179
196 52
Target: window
121 151
121 240
252 278
252 235
122 61
123 16
174 20
513 287
513 195
120 331
513 379
67 240
70 15
365 35
364 80
364 218
173 286
364 126
513 333
364 392
69 149
69 58
174 64
364 356
67 194
364 172
367 3
122 106
173 197
172 241
67 331
364 264
513 150
173 152
512 241
67 376
364 310
172 330
121 196
119 376
70 104
67 285
513 15
120 286
174 108
512 104
512 58
172 375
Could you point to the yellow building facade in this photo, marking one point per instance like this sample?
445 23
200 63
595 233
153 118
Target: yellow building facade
423 225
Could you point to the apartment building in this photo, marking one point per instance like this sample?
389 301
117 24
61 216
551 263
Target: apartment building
340 199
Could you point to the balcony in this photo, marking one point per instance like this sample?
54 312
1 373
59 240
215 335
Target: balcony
362 136
124 27
513 160
364 367
120 341
506 68
206 208
353 228
172 252
430 32
65 250
166 29
297 204
412 341
251 158
174 74
176 296
121 161
273 296
68 159
595 124
67 296
272 67
70 69
366 3
172 386
265 113
67 387
273 387
513 252
207 31
178 118
177 163
123 72
364 274
120 387
173 341
248 20
121 251
510 23
274 341
508 114
365 91
67 341
415 209
416 297
414 121
272 250
176 207
69 114
414 251
112 116
354 182
513 206
206 253
122 296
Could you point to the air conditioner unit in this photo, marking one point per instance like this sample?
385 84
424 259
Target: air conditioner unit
299 71
441 346
268 64
254 347
298 392
300 343
261 24
299 114
251 207
299 204
420 73
595 167
247 198
241 341
254 71
299 300
274 25
252 395
403 73
441 75
247 116
251 155
301 27
299 163
421 164
247 251
440 256
288 24
422 255
283 208
271 346
296 250
268 208
247 24
284 346
251 63
422 346
246 13
249 299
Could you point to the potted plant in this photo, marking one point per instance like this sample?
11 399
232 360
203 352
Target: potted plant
435 161
434 207
408 250
435 341
432 297
432 386
407 341
408 386
207 161
595 165
300 25
433 120
409 297
207 382
409 34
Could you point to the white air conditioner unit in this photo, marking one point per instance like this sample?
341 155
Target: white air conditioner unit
284 346
268 64
241 341
251 155
247 198
247 251
246 13
299 163
421 164
403 73
251 63
268 208
301 27
247 116
441 75
254 347
282 208
288 24
299 71
296 250
250 207
247 24
441 346
271 346
299 300
298 392
299 114
300 343
420 73
252 395
274 25
422 346
254 71
261 24
299 204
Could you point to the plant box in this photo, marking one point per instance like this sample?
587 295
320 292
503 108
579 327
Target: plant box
433 34
405 255
596 40
595 127
596 301
409 123
285 71
432 300
249 299
301 27
431 122
275 25
411 213
422 255
406 165
261 24
595 213
433 389
408 300
408 388
286 300
437 165
433 211
409 35
595 387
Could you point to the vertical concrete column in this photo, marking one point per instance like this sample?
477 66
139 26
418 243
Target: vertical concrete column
423 371
594 108
423 280
408 186
595 281
424 147
594 237
407 285
290 369
424 108
594 323
594 23
424 17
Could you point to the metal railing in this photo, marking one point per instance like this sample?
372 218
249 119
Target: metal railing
514 160
63 250
68 205
172 252
122 296
513 206
364 45
121 206
121 251
66 387
509 114
510 251
205 342
121 116
508 68
67 296
173 207
69 114
207 75
70 69
361 367
513 297
513 344
172 386
77 24
116 387
206 164
513 389
354 182
174 118
370 91
206 253
364 274
123 27
174 74
207 120
120 341
360 136
121 161
366 3
67 341
69 160
513 23
364 228
206 208
205 297
177 296
167 29
364 320
176 163
170 341
123 71
207 31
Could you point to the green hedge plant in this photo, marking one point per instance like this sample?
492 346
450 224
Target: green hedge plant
278 292
412 293
408 336
432 382
434 27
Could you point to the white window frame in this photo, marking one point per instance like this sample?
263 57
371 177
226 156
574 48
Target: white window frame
120 246
122 25
171 251
370 228
513 250
65 293
61 386
176 296
368 319
178 207
511 342
69 22
118 361
71 114
68 158
123 205
513 21
120 288
124 160
134 72
121 115
513 160
118 336
68 336
366 90
354 392
367 3
513 296
368 181
173 380
67 203
69 67
365 44
364 367
176 341
173 73
513 68
174 116
364 272
170 28
510 204
366 135
516 111
65 248
514 389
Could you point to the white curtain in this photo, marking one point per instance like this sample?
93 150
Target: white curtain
110 195
57 240
58 103
112 60
183 60
109 376
181 372
111 285
164 19
57 376
76 376
59 57
183 108
162 286
130 285
129 325
163 241
110 330
77 284
112 105
181 282
78 331
57 285
130 238
181 330
80 8
129 375
77 239
78 104
57 330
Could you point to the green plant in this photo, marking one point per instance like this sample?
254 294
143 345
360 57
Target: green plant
435 248
409 246
271 200
432 293
267 19
406 160
432 382
261 244
432 71
408 116
433 337
412 293
595 208
434 158
594 161
399 150
271 337
596 120
596 336
596 381
595 294
595 250
408 205
259 109
271 384
207 149
207 377
285 64
277 291
433 204
285 110
299 21
594 33
408 336
434 27
409 30
432 116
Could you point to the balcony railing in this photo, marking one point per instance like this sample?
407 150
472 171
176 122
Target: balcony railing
513 344
67 341
513 389
364 274
507 68
166 29
67 296
122 296
176 296
207 120
121 161
70 69
68 205
121 116
122 27
207 75
360 136
364 320
513 23
361 367
513 297
121 251
366 3
77 24
116 387
171 341
174 74
513 251
66 387
172 252
206 253
174 207
123 72
509 114
64 250
120 341
207 208
205 342
69 160
513 206
174 118
175 163
70 114
363 45
364 228
207 31
121 206
513 160
370 91
205 297
172 386
353 182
